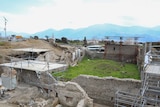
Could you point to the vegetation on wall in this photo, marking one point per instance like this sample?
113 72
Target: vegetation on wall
101 68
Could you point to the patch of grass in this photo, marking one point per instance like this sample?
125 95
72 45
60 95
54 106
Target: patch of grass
2 43
101 68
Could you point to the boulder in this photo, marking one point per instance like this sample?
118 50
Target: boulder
72 95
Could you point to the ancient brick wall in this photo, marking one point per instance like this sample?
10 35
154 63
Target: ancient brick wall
102 90
125 53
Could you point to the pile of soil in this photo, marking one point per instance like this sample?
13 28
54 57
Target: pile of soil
30 43
57 53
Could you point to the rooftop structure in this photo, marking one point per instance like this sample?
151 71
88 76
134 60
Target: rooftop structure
95 48
31 50
34 65
153 69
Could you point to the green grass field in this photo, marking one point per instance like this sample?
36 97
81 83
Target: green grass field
101 68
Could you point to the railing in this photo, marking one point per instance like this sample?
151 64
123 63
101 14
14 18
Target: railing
149 93
125 99
147 59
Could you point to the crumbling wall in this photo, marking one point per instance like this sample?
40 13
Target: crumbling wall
40 79
30 96
49 92
8 78
50 56
68 56
72 57
70 94
102 90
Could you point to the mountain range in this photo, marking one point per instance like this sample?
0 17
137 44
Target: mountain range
101 31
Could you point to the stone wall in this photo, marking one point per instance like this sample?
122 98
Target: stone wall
40 79
69 94
102 90
126 53
115 49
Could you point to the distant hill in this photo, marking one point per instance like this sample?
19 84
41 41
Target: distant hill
100 31
15 33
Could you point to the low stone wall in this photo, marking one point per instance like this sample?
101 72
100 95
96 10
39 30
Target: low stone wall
102 90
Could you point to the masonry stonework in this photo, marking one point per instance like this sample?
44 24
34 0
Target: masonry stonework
102 90
125 53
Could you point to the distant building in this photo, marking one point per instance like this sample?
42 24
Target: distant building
95 48
19 37
92 41
16 38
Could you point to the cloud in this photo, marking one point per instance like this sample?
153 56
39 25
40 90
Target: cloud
128 21
58 14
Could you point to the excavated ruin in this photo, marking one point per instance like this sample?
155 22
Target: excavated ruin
25 87
30 83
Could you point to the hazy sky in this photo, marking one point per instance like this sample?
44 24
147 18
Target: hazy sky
31 16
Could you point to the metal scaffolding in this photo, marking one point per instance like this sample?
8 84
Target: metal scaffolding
149 94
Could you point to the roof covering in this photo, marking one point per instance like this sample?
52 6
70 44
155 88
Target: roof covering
34 65
31 50
153 69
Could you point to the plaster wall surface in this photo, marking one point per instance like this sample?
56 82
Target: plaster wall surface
102 90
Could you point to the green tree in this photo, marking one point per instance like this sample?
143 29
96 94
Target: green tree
64 40
47 38
36 37
85 42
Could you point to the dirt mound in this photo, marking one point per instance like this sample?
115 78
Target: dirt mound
30 43
57 53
